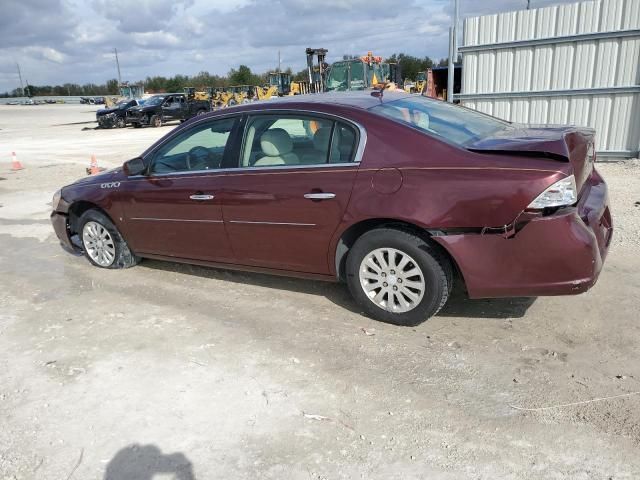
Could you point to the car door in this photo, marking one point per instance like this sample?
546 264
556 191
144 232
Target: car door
286 200
171 108
175 210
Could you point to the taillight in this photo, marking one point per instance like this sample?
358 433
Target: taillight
561 194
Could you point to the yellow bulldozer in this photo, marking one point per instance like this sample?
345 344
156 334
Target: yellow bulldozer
417 86
193 94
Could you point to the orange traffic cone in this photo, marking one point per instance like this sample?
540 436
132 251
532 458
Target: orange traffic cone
15 164
93 167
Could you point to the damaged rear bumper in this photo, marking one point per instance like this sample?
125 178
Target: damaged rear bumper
558 254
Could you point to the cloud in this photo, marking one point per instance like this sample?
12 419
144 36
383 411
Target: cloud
34 23
156 40
167 37
45 53
142 15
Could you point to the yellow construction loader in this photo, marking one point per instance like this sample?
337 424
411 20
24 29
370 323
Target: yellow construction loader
193 94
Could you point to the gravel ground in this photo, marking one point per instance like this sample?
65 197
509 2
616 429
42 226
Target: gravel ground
172 371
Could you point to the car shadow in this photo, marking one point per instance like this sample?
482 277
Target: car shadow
144 462
459 304
336 293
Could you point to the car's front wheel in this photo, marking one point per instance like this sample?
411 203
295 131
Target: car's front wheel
102 243
120 122
398 277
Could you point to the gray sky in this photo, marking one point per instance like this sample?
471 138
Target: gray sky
58 41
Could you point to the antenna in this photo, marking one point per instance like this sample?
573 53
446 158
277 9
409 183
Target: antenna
115 50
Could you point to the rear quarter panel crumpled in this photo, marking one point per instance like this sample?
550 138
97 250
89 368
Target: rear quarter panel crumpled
444 186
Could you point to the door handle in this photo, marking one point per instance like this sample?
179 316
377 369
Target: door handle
319 196
201 197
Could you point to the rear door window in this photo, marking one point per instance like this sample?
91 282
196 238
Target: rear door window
292 140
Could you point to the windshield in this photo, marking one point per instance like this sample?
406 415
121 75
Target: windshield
453 123
156 100
124 104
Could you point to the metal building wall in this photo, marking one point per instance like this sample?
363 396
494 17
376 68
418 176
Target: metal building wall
568 64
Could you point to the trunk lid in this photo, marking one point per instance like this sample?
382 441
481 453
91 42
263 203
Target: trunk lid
571 144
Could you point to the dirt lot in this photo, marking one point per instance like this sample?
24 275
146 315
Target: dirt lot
170 371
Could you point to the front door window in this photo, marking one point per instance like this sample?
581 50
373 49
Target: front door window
199 148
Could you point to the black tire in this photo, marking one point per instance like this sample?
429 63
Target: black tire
436 271
124 257
120 122
202 111
155 121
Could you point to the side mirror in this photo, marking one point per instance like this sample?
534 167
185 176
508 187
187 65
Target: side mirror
135 166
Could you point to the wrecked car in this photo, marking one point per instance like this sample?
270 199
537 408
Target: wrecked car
115 116
159 109
397 195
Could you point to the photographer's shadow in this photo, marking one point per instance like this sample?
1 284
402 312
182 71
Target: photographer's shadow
143 462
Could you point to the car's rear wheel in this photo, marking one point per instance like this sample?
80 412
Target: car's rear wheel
102 243
398 277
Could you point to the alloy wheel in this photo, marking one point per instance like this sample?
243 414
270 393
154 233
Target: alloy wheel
98 244
392 280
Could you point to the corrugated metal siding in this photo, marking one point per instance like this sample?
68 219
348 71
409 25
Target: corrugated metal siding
560 72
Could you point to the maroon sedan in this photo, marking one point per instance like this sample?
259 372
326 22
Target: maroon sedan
396 195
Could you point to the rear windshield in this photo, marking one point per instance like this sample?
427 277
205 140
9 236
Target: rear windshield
453 123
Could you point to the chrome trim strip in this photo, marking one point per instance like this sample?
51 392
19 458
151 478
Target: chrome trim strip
245 169
319 196
201 197
274 223
175 220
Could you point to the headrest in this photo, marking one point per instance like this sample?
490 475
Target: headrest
276 142
321 139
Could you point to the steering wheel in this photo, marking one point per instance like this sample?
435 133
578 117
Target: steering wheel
199 158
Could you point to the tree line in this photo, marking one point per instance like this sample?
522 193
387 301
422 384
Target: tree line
409 64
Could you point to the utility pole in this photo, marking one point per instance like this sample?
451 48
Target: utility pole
453 52
279 62
20 76
115 50
528 4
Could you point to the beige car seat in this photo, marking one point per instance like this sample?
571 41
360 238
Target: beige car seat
321 141
277 148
